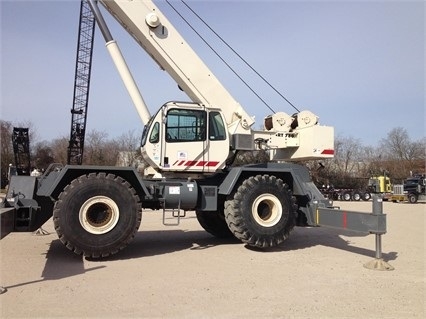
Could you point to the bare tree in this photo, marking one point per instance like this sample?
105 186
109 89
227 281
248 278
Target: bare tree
129 152
42 155
350 167
402 155
59 149
7 156
373 164
347 155
99 150
396 145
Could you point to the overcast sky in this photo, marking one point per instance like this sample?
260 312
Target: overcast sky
358 65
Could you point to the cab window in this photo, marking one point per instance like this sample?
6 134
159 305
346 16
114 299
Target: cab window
217 131
185 126
155 133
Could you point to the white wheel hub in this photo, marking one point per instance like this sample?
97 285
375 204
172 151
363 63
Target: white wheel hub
267 210
99 214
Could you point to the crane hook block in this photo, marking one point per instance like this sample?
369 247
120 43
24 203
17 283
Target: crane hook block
152 20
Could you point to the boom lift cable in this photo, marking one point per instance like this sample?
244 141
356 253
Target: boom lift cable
239 56
222 59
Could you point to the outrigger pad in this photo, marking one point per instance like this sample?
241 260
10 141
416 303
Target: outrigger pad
378 264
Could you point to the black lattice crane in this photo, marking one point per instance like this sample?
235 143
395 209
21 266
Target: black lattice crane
81 84
21 149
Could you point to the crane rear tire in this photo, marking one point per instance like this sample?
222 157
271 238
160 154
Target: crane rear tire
97 215
261 213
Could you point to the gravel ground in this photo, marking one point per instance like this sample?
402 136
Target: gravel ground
183 272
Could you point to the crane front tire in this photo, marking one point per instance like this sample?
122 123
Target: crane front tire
262 211
97 215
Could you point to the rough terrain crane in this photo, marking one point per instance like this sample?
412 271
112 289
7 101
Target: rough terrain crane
189 147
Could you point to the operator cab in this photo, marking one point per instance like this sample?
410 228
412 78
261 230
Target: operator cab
186 137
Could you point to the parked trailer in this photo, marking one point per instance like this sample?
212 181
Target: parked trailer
376 185
346 194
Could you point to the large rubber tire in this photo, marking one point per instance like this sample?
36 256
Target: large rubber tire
97 215
261 212
214 223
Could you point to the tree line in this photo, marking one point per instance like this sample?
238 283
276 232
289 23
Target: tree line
99 149
396 155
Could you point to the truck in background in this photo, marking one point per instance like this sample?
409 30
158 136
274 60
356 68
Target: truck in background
412 191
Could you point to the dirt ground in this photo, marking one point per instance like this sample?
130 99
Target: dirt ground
183 272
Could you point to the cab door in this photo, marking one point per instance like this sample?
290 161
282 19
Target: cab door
185 135
217 142
196 140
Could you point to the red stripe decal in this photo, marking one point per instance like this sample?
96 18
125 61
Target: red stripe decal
328 152
212 163
196 163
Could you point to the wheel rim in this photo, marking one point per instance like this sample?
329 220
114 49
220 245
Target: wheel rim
267 210
98 215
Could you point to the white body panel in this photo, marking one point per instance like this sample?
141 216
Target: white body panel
308 143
